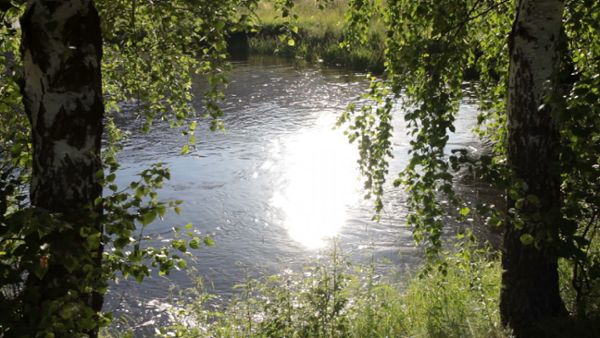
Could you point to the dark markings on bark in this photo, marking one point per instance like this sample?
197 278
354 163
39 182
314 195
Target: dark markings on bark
76 121
530 291
62 94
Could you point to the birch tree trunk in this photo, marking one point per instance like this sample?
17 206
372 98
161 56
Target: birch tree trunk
530 280
62 94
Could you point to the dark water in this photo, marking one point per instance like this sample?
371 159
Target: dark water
275 187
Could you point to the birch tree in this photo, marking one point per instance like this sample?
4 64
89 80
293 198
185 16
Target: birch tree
530 290
62 96
537 62
78 60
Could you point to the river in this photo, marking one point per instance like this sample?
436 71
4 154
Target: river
275 187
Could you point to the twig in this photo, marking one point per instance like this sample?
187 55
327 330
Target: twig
470 18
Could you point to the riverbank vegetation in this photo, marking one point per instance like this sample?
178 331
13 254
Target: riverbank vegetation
318 31
457 297
332 298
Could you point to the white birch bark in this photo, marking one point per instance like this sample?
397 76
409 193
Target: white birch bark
63 99
61 48
530 281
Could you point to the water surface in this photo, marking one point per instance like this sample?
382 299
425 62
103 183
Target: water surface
276 186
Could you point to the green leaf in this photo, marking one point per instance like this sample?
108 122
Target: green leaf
179 245
148 217
93 240
195 243
140 192
209 241
291 42
161 210
527 239
182 264
465 211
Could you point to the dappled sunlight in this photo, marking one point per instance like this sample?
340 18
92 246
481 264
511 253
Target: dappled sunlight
319 182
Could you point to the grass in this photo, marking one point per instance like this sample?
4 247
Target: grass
458 298
316 21
585 278
317 34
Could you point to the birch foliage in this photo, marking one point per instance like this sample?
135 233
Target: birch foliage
152 52
439 53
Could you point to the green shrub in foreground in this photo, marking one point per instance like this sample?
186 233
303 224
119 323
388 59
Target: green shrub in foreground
456 298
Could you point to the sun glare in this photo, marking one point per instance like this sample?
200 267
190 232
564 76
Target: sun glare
320 182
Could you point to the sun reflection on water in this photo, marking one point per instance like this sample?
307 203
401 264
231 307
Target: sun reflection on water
320 182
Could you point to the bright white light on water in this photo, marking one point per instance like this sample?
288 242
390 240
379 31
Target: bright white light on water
320 181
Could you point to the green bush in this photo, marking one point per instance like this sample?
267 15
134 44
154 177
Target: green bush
457 297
